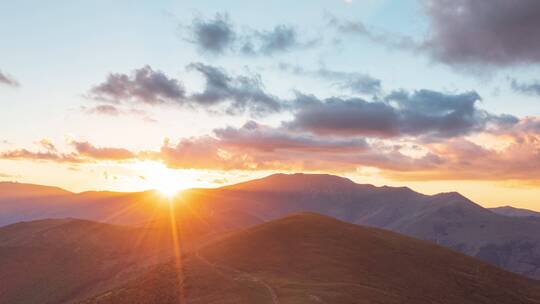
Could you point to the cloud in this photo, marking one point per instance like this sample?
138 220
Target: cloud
47 144
218 36
144 86
259 147
88 150
281 39
510 153
214 36
423 113
263 138
460 158
490 33
115 110
391 40
24 154
84 152
530 88
103 110
8 80
466 34
198 153
357 83
222 93
238 93
255 147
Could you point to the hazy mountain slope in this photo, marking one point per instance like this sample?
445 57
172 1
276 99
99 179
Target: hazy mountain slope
30 202
517 212
309 258
448 218
12 189
112 207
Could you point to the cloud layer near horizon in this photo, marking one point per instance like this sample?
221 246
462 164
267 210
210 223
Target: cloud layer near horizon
503 154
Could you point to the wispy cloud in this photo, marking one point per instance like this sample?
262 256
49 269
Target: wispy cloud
354 82
8 80
529 88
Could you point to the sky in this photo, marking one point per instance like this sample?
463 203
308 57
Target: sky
132 95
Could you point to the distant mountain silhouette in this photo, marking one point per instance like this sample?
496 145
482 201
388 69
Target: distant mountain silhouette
14 190
517 212
309 258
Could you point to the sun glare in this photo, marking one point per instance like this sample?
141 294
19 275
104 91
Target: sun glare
166 181
168 190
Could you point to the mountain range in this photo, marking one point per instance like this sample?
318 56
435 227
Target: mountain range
505 240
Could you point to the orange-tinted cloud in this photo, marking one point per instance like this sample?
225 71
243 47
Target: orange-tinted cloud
84 152
515 156
88 150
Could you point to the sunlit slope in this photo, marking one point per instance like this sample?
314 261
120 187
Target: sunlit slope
309 258
66 260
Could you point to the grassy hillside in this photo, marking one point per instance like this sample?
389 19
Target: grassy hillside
309 258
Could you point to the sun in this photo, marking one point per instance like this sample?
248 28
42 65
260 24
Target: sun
156 176
168 190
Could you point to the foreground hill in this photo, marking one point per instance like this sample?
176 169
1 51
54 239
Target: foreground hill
309 258
66 260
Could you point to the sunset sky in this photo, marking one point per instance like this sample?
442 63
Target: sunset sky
133 95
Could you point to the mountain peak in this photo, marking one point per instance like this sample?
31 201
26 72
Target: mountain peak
295 182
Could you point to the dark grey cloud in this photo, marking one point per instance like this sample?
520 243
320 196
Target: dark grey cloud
215 35
529 88
143 85
237 93
8 80
259 137
222 93
467 34
354 82
218 36
424 113
281 39
495 32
